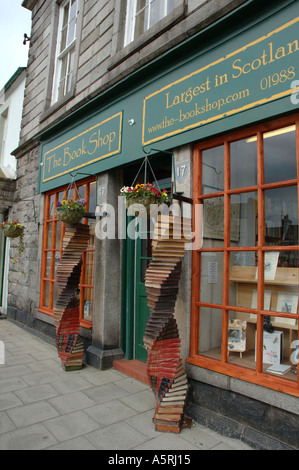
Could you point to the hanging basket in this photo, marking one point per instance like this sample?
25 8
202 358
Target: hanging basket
143 194
70 211
70 215
12 230
134 206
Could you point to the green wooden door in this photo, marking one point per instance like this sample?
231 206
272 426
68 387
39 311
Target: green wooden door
136 255
142 311
135 311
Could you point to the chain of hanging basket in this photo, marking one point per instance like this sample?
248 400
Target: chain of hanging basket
145 163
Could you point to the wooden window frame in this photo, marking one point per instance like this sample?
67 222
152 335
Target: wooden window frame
222 366
53 249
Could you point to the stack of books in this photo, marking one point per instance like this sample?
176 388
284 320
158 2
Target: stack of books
66 311
161 338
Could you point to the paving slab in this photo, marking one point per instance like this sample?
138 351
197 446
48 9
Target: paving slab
42 407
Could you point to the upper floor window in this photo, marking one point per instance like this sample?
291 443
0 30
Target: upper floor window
143 14
65 49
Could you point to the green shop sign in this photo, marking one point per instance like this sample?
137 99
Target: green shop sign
258 73
87 146
215 87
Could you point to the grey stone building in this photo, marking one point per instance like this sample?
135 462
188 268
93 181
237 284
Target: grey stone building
206 90
11 105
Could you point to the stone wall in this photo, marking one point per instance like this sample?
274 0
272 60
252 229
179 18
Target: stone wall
24 277
255 422
7 188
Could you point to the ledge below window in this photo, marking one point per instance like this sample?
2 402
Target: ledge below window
148 36
83 323
51 109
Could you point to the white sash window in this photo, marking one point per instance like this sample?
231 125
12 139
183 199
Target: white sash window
143 14
65 49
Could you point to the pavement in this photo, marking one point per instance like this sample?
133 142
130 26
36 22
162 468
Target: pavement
42 407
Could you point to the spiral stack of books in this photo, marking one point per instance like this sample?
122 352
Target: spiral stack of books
66 311
161 338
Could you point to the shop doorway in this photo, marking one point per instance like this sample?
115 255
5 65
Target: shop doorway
136 257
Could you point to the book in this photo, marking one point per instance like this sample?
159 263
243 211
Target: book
66 311
161 337
279 369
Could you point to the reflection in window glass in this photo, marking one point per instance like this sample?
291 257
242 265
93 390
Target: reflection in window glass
64 27
143 14
52 203
50 229
89 268
240 152
81 192
72 22
88 299
92 204
213 170
48 265
280 145
281 216
210 332
211 278
213 222
243 226
92 228
47 295
55 293
70 72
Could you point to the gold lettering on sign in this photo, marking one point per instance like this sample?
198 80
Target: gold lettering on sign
99 142
267 57
210 96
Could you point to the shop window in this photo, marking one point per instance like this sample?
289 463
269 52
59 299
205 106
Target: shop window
64 73
245 285
141 15
52 250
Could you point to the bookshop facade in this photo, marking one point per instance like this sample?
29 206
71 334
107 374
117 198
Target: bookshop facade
221 127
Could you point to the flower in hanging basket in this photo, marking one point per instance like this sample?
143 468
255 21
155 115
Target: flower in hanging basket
70 212
144 194
12 229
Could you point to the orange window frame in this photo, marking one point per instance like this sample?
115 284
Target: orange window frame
52 251
256 376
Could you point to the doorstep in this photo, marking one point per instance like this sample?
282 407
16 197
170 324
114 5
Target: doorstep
133 368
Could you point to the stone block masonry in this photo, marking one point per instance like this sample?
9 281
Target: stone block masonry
23 288
258 424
